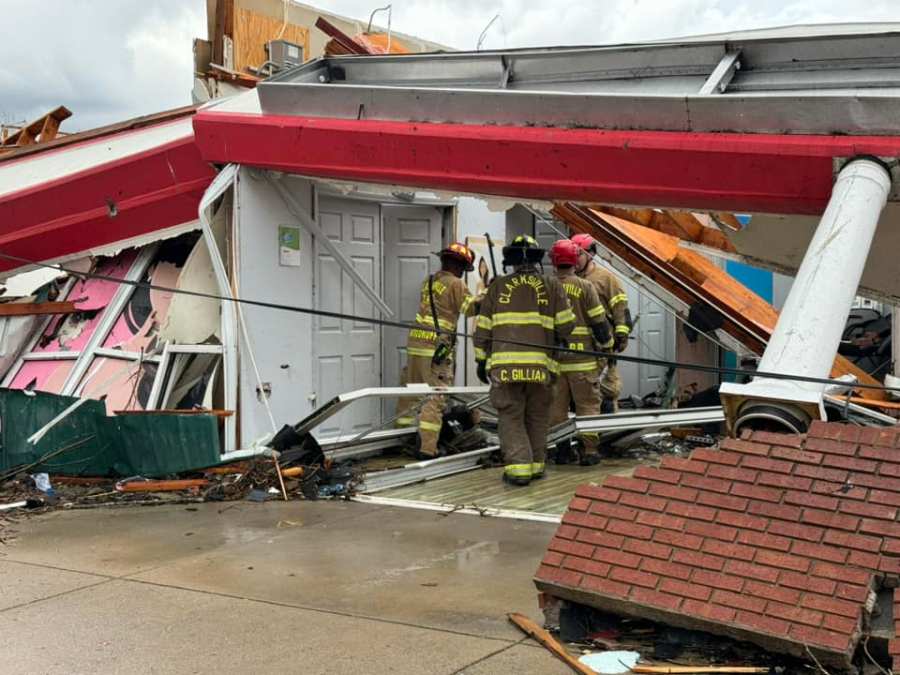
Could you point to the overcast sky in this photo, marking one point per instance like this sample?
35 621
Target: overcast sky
108 60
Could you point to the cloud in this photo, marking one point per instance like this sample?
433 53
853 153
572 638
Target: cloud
109 60
106 60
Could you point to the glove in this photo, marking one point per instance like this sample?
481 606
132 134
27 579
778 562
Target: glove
441 352
482 372
602 333
621 342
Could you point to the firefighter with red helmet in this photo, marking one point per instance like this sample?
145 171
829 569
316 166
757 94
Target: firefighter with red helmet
431 344
523 317
615 302
578 380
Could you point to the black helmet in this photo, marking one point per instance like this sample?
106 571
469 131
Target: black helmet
522 250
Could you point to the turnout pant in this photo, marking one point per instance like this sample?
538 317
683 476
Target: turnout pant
523 410
431 414
582 388
611 385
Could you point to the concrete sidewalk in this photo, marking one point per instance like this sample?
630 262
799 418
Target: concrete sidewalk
317 587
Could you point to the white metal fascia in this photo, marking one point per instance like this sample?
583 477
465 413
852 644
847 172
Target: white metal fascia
110 316
224 181
471 510
297 210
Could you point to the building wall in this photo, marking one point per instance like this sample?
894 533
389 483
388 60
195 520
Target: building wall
306 16
280 341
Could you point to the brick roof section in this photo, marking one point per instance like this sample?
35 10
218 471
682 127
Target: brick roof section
776 539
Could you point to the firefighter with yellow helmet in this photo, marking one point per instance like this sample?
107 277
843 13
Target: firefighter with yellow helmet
523 317
431 344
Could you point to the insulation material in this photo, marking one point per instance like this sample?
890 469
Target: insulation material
190 319
27 283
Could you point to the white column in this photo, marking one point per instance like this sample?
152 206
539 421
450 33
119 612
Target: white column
809 328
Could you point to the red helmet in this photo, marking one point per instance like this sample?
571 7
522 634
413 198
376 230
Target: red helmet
585 242
564 253
459 252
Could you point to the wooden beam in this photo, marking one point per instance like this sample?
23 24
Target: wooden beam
30 132
177 411
347 42
49 129
36 308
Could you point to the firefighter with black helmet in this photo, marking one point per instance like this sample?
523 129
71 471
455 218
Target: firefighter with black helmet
615 301
579 372
431 345
523 317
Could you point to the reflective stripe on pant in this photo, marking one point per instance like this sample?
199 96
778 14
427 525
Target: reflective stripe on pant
611 385
582 388
523 412
420 371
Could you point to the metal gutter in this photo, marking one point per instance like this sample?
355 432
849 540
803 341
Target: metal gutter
338 403
635 420
418 472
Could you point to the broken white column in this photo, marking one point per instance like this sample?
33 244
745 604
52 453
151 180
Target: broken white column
809 328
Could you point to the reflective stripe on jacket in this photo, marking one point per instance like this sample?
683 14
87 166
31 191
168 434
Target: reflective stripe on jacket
451 298
525 307
612 296
589 312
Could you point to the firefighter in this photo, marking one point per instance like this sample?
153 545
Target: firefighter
523 317
578 380
431 345
615 302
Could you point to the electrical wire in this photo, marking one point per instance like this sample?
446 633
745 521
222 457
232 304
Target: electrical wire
662 363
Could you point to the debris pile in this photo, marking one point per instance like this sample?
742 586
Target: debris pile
780 540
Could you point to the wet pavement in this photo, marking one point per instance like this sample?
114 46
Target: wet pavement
327 587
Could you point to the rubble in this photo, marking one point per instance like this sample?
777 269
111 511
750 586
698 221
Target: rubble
781 540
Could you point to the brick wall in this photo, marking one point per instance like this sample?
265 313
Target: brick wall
773 538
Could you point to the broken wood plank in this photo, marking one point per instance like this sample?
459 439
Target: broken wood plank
531 629
176 411
161 485
32 131
36 308
344 40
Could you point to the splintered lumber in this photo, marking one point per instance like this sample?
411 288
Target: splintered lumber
161 485
41 130
683 670
531 629
344 40
36 308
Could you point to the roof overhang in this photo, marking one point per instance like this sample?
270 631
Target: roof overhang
702 171
107 188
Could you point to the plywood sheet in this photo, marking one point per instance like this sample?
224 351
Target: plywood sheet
253 31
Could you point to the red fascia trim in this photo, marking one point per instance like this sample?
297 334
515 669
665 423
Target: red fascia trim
151 191
703 171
